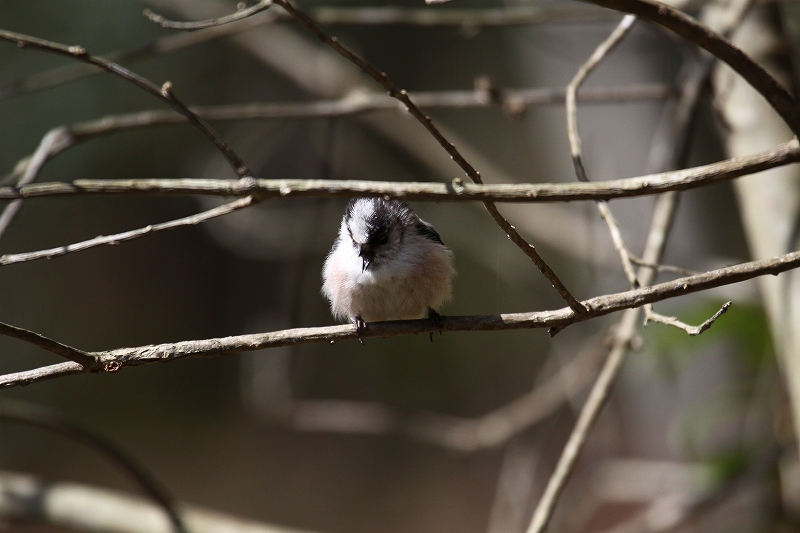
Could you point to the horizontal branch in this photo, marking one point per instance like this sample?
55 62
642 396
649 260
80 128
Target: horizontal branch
421 191
513 100
113 360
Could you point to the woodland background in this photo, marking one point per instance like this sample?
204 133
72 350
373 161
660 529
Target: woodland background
315 437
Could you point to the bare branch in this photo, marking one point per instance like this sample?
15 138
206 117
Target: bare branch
663 268
191 220
651 315
199 25
52 142
583 72
86 360
692 30
402 96
511 15
91 509
421 191
575 141
34 415
353 104
166 44
80 54
601 305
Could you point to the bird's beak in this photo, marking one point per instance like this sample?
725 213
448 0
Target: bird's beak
366 256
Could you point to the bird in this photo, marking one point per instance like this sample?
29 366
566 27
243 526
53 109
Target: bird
386 264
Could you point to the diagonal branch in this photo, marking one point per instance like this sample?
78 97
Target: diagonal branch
86 360
202 24
80 54
692 30
401 95
601 305
52 142
34 415
9 259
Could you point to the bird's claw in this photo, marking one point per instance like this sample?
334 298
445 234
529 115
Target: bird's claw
436 318
360 327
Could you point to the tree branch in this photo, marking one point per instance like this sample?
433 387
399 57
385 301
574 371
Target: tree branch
515 100
86 360
191 220
651 315
456 191
92 509
692 30
601 305
575 141
53 141
164 93
202 24
30 414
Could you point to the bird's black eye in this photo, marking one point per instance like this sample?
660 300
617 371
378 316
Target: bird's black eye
384 240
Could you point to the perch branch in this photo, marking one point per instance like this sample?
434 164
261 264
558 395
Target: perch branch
601 305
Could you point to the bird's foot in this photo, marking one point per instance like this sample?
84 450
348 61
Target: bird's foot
436 318
360 327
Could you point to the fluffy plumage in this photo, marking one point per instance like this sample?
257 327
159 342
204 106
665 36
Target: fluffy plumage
386 264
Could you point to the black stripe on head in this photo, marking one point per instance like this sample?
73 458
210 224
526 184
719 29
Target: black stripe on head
426 230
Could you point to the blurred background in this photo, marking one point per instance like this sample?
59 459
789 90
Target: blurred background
401 434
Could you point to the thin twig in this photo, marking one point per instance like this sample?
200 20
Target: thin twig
511 15
164 93
356 102
601 305
162 45
692 30
663 268
52 142
191 220
30 414
202 24
651 315
425 191
402 96
575 141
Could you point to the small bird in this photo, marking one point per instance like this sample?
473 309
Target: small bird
386 264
